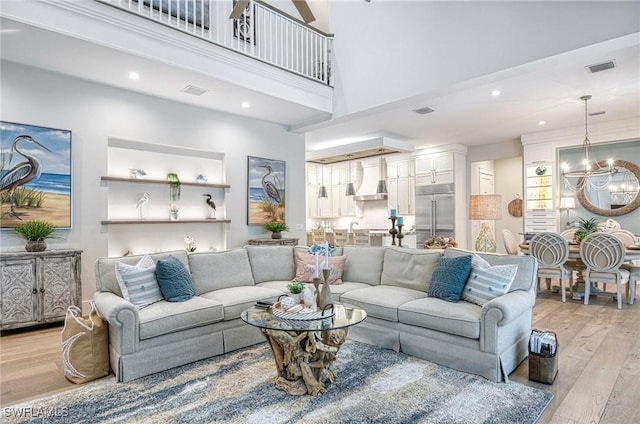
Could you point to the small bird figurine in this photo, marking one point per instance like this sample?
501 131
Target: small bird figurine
141 202
137 173
212 205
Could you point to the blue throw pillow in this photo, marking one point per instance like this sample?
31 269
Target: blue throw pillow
174 280
449 278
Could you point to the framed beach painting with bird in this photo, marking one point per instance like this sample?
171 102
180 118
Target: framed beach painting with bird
35 179
266 190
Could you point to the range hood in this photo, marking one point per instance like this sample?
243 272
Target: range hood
373 171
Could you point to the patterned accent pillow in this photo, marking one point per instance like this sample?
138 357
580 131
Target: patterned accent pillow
174 280
138 282
306 267
487 282
449 278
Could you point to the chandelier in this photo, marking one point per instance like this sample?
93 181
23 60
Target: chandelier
624 193
592 174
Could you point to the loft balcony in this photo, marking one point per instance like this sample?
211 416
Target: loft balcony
265 55
262 32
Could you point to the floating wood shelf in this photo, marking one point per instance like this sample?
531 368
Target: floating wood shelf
165 182
164 221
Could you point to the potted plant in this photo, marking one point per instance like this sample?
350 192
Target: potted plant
584 227
35 232
276 228
296 288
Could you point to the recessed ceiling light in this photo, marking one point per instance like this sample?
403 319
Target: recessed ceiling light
134 75
245 105
495 93
542 123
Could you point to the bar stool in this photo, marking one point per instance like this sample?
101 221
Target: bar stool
340 237
318 236
361 238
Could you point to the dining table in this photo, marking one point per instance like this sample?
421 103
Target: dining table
631 253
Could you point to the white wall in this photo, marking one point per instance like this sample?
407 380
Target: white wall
94 112
391 50
508 183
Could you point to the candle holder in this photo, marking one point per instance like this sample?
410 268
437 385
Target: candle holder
400 235
324 297
393 231
316 285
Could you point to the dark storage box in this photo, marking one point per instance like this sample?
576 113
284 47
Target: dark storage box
543 368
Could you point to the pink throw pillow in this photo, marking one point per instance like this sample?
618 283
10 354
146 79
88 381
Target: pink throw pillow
306 267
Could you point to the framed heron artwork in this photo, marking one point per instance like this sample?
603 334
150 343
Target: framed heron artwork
266 190
35 179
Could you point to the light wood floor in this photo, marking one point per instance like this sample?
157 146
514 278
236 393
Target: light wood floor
599 362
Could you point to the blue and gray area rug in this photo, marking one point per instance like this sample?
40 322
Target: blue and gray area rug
373 385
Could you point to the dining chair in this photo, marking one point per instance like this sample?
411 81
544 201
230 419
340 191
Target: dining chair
361 238
603 254
628 239
569 234
609 225
318 236
551 251
510 243
340 237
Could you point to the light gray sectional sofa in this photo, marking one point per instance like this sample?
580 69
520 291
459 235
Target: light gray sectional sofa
389 283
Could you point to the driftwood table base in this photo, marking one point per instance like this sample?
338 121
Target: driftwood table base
304 359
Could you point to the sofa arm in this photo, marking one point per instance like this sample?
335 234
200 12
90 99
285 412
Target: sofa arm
500 316
123 321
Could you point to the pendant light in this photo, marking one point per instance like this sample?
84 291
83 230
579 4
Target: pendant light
322 193
350 189
382 182
593 174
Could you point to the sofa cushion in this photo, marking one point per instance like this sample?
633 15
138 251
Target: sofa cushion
409 268
270 263
237 299
460 319
526 276
166 317
306 267
174 280
105 268
449 278
487 282
381 301
363 264
138 282
219 270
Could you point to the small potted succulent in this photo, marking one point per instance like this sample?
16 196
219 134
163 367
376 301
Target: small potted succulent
584 227
35 232
296 288
276 228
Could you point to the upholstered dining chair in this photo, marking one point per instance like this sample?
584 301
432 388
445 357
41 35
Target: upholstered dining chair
628 239
551 250
568 234
603 254
510 243
340 237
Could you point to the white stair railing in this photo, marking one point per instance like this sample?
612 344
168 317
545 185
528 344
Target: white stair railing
262 32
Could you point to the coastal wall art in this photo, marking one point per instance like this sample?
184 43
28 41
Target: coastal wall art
266 190
35 178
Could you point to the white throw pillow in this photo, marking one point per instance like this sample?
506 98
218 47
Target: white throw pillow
138 282
487 282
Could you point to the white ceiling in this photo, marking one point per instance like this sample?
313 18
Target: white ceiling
546 90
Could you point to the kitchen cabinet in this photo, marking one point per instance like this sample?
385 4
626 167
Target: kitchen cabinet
341 205
540 213
38 287
335 179
435 168
401 185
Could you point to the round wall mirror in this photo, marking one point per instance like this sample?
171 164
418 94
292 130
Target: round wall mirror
622 196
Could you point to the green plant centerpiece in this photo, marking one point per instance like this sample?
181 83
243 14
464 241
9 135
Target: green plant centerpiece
584 227
35 232
276 228
296 287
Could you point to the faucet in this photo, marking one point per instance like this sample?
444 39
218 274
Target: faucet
351 224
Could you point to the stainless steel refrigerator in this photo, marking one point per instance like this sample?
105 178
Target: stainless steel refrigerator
434 212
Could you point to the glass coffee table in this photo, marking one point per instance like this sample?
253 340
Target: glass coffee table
304 350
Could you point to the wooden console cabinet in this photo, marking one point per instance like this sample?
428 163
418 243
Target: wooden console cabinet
38 287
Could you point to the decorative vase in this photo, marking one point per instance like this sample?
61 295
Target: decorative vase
324 298
35 246
296 296
275 235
